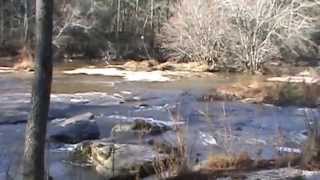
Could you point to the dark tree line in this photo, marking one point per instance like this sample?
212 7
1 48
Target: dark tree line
220 33
99 22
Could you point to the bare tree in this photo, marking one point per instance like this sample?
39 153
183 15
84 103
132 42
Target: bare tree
239 33
196 31
261 27
34 153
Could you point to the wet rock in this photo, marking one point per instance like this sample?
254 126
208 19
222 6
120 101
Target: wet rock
75 129
165 143
139 127
238 128
143 105
271 174
120 160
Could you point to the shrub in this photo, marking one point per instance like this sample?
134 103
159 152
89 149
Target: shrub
195 32
242 33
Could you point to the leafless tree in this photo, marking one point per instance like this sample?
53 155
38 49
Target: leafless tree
261 27
195 32
239 32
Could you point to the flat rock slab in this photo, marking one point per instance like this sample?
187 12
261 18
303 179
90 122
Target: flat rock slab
75 129
283 173
15 107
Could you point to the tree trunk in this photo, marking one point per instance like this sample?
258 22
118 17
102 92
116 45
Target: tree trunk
26 22
118 27
136 16
152 27
168 9
34 153
1 22
151 14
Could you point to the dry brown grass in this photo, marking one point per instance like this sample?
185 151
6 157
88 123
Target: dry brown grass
177 162
281 94
235 167
311 151
172 166
228 162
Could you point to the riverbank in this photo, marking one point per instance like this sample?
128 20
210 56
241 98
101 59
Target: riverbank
300 89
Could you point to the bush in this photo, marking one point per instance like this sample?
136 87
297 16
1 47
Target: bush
195 32
241 32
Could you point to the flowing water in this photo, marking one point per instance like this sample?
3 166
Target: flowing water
261 130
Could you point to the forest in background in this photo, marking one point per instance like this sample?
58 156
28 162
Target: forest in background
224 34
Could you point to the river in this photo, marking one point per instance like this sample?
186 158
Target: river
261 130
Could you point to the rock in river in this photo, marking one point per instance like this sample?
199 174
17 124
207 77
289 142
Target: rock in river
75 129
140 127
120 160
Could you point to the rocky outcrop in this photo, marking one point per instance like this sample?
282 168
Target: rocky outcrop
275 174
139 127
270 174
75 129
120 160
